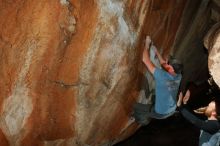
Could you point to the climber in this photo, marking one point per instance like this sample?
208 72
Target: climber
208 127
167 78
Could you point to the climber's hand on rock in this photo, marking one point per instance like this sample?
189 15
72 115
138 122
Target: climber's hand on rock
147 42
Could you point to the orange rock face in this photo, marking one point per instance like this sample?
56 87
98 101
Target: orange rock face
69 69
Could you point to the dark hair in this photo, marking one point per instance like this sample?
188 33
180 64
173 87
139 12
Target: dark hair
176 64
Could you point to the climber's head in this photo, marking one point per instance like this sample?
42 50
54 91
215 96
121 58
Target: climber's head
213 109
217 108
210 110
176 65
173 66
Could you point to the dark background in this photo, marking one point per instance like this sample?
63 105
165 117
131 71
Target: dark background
174 131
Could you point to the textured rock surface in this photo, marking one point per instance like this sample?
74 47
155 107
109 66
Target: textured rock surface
70 69
212 41
198 17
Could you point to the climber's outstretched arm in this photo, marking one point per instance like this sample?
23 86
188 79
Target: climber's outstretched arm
161 59
146 56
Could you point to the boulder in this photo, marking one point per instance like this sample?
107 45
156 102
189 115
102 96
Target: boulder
70 69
